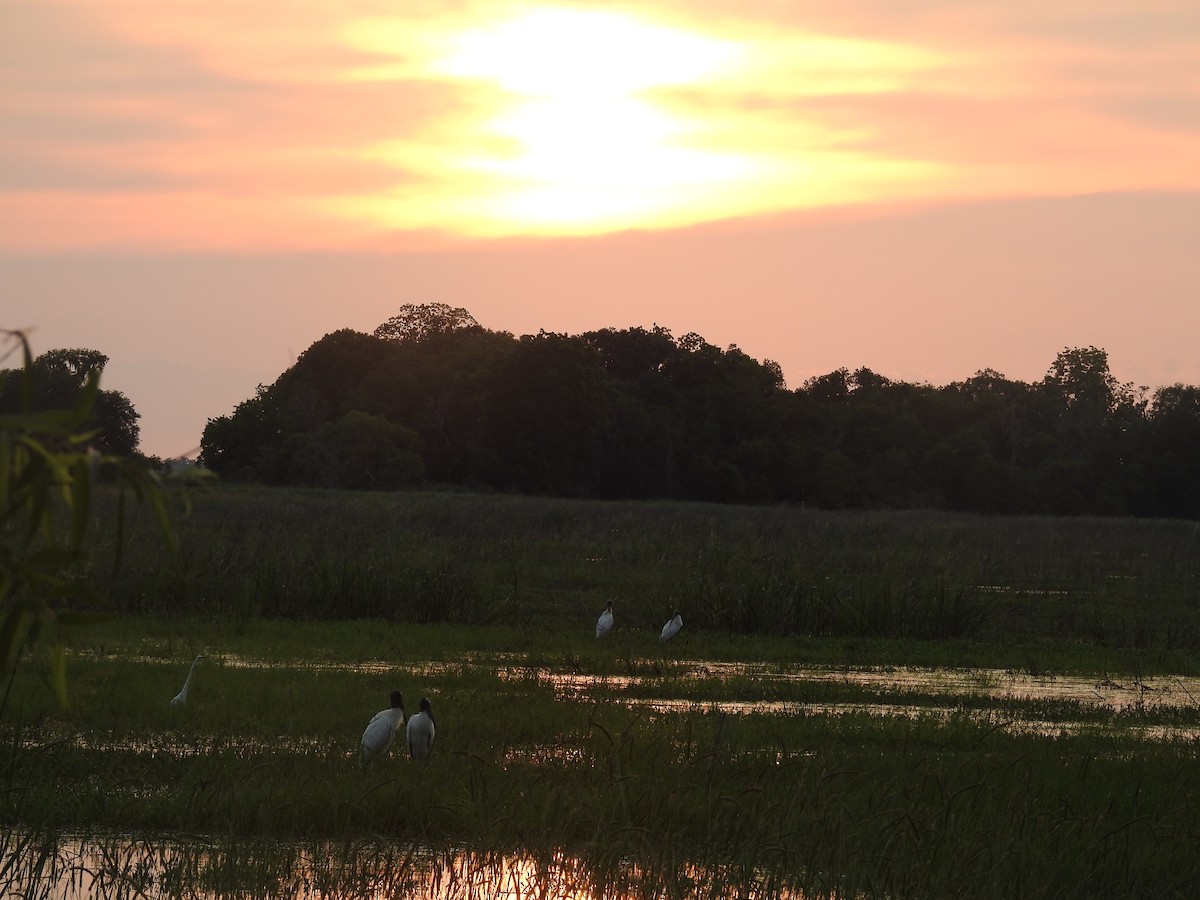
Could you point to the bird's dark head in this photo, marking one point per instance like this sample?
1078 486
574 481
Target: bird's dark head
397 700
426 706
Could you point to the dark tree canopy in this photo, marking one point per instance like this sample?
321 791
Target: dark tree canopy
56 378
433 398
416 322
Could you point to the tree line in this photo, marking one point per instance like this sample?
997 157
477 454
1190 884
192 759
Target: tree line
432 398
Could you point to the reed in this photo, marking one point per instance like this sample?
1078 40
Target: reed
424 557
620 767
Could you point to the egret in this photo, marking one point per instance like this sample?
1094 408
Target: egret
381 729
420 732
671 628
181 697
604 623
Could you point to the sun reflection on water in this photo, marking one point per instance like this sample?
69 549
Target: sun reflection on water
896 693
72 868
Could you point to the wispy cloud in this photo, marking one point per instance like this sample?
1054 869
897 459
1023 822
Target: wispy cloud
310 125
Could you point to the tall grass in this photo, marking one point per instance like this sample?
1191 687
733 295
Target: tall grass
459 558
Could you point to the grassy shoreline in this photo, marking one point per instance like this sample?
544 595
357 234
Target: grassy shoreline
798 787
858 800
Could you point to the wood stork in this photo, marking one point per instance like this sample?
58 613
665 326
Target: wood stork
420 732
671 628
381 729
181 697
605 622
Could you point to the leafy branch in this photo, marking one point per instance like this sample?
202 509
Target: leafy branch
50 471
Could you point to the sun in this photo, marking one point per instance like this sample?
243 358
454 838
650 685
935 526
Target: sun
588 143
572 137
576 53
583 121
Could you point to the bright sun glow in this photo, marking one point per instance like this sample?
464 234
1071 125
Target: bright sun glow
587 147
571 53
582 121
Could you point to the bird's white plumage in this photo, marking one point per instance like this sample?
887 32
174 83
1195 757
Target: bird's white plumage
604 624
671 628
420 732
381 730
181 697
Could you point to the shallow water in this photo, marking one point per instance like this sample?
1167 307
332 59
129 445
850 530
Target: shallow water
1116 696
895 686
117 867
996 719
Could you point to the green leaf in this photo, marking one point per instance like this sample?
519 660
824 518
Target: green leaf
6 469
158 503
49 470
53 558
119 548
59 672
81 495
87 397
68 620
12 630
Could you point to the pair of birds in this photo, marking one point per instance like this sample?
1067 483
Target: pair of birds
604 624
382 728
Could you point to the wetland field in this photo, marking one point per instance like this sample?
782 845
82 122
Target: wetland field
859 705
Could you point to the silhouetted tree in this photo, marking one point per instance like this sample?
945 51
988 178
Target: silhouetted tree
639 413
441 386
358 451
417 321
56 378
246 445
1093 469
550 413
1173 463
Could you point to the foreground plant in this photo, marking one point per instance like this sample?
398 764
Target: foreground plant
49 471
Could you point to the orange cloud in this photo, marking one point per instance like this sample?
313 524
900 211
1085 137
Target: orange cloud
299 124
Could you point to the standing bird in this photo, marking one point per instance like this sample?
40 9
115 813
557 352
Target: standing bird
181 698
671 628
604 623
381 729
420 731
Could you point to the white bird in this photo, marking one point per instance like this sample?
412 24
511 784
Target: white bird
605 622
181 697
671 628
420 732
381 729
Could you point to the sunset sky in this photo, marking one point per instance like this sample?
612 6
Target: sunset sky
200 190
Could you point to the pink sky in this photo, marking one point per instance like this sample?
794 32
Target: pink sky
201 190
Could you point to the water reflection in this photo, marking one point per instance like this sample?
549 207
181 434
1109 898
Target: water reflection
1117 696
898 691
168 745
993 683
237 661
40 867
988 718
